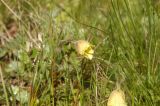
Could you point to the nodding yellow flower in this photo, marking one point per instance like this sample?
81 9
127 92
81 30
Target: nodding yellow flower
117 98
84 48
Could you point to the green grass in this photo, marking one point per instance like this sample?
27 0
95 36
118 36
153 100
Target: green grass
41 67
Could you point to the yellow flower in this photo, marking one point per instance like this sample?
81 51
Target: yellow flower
117 98
84 48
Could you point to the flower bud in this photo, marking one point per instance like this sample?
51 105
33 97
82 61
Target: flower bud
84 48
117 98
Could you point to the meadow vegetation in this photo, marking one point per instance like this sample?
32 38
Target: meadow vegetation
39 63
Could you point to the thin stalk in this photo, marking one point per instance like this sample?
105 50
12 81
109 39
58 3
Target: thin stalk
4 87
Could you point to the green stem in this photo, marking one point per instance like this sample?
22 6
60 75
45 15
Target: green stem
4 87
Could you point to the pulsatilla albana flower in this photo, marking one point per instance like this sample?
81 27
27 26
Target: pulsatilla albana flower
117 98
84 48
